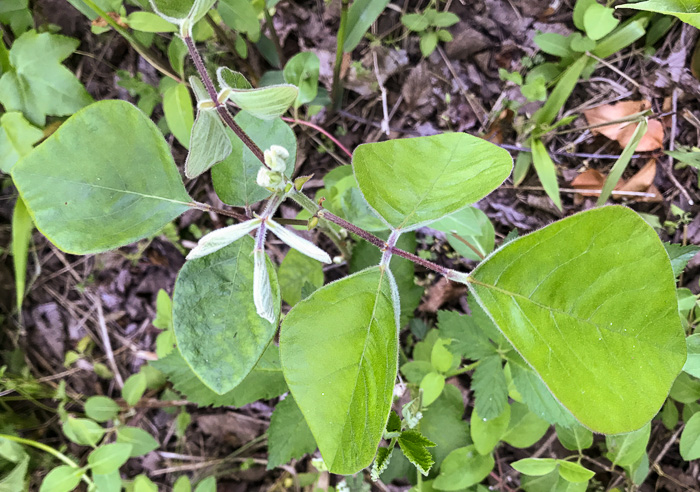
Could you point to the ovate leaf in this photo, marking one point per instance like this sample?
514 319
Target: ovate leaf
61 479
339 352
289 435
438 174
590 304
118 184
235 178
101 408
217 327
140 441
302 71
486 433
626 449
535 467
414 446
37 84
108 458
463 468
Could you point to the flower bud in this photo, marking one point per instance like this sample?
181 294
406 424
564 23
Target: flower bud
269 179
275 158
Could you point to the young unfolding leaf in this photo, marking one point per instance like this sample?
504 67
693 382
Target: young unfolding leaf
414 446
221 238
289 435
235 178
265 102
339 352
302 71
216 323
209 142
105 194
597 325
436 176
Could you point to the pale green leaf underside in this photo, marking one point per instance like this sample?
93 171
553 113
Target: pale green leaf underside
411 182
265 102
589 302
209 143
218 330
339 353
104 179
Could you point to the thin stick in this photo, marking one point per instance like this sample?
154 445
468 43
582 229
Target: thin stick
614 69
107 344
643 194
468 244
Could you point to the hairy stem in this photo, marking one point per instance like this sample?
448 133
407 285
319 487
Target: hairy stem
336 89
310 206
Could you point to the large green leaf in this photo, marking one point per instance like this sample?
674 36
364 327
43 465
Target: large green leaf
339 352
589 302
686 10
104 179
38 85
411 182
217 327
234 178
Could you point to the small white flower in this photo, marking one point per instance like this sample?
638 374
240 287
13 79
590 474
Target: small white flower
262 292
220 238
298 242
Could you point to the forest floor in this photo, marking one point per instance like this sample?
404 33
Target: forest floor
456 88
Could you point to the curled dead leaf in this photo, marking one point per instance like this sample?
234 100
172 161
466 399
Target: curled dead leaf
622 132
592 182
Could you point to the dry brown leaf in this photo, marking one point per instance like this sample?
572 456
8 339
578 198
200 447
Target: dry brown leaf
441 292
590 179
622 132
643 181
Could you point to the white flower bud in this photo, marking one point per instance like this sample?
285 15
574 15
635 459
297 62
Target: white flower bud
275 158
270 179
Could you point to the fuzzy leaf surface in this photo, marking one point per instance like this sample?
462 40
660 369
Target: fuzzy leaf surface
105 194
235 178
590 304
217 327
430 177
339 353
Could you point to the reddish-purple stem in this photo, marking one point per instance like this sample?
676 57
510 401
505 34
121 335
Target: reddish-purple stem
320 130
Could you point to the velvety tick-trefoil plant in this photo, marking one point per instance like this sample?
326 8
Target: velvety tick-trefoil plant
588 302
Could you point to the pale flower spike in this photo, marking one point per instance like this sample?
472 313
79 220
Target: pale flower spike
220 238
275 158
298 242
262 292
